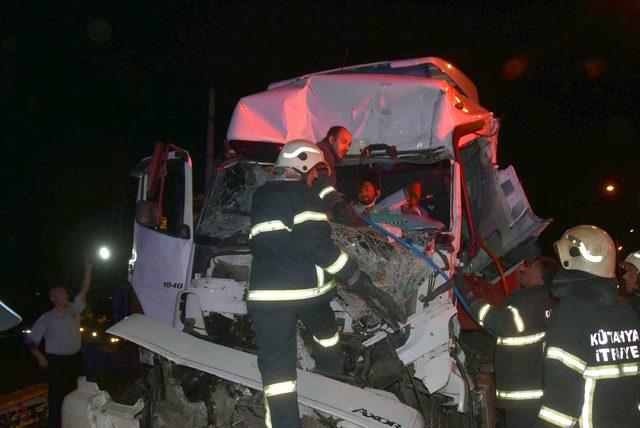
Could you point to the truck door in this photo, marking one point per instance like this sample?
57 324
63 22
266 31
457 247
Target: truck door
163 236
504 218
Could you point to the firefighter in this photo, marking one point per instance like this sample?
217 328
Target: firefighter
334 147
292 276
630 276
592 354
520 325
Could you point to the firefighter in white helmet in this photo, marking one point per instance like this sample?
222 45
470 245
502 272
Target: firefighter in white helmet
592 356
292 276
630 279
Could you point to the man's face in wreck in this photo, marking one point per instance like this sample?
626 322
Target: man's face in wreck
341 143
412 193
629 276
311 176
529 274
367 193
416 190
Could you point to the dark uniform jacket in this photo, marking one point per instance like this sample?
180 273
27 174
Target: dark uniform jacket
294 257
520 324
330 157
634 301
592 356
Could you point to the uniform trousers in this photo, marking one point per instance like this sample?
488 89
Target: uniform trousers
275 330
521 418
63 372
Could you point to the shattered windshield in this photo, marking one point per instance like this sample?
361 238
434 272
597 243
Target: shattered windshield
410 200
227 210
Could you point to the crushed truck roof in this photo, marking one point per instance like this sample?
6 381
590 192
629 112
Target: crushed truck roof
402 103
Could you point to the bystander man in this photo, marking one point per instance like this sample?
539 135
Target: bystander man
60 328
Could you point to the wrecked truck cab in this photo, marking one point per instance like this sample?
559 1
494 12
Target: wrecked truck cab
411 121
428 111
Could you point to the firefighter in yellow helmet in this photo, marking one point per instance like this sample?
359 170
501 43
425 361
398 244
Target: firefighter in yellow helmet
592 356
293 271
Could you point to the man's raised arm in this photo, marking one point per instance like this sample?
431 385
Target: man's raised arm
86 280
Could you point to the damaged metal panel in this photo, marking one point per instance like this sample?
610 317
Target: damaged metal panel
348 403
431 67
504 217
411 113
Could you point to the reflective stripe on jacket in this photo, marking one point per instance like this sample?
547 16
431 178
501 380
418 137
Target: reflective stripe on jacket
294 257
592 358
520 324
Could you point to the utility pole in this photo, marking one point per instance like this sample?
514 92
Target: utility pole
209 164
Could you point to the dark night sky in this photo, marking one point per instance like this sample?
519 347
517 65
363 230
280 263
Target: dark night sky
86 92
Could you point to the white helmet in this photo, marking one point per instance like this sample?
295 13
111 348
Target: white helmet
300 155
633 259
589 249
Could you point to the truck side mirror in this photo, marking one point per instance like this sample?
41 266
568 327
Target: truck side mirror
146 213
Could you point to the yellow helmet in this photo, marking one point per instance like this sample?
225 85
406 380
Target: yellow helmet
589 249
300 155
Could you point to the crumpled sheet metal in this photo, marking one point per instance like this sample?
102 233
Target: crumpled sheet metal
412 113
392 268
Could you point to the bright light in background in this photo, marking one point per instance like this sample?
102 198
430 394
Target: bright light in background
81 329
94 334
631 230
620 248
104 253
26 331
610 188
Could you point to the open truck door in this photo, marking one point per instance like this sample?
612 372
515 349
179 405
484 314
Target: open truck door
163 231
503 217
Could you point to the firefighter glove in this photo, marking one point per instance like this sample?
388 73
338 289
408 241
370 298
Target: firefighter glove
335 202
377 300
343 213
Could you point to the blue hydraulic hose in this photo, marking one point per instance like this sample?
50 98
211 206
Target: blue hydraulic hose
424 257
